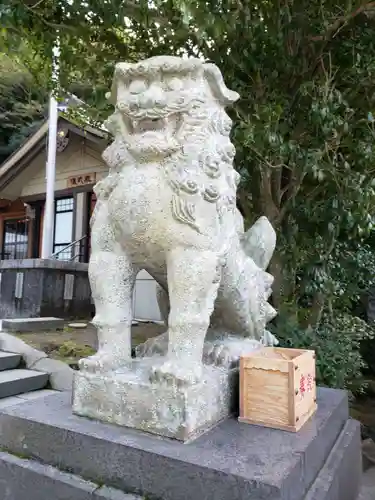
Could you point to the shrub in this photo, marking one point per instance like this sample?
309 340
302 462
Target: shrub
70 349
337 342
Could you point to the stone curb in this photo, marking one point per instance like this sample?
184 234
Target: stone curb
60 374
23 479
368 453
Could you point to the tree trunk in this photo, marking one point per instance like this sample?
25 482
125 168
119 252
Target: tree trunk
316 311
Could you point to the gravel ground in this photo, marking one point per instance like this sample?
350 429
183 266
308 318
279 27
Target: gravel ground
72 344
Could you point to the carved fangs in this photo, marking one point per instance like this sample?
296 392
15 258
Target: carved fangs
171 124
149 124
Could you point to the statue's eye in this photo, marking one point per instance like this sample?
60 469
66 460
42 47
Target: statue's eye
174 84
137 86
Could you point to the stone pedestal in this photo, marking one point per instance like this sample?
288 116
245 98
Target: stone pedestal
233 461
128 398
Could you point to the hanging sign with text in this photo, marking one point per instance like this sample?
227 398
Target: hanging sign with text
81 180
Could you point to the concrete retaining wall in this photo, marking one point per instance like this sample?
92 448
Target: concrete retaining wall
32 288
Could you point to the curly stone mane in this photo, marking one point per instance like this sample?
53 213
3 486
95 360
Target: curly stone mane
212 176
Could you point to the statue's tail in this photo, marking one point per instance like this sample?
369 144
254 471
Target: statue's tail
259 242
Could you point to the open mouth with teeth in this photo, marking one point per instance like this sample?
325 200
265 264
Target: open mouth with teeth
147 125
153 135
168 125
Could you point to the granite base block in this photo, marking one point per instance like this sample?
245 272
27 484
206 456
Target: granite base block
340 477
23 479
129 399
233 461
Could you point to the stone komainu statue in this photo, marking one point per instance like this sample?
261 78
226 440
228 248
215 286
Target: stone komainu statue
168 206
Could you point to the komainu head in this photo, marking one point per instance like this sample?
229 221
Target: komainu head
161 101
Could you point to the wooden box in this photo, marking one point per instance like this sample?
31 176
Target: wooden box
277 388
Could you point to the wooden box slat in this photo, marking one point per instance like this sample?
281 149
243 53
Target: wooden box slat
277 387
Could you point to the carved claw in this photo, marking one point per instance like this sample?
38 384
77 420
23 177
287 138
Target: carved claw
102 362
226 353
218 355
152 347
269 340
176 373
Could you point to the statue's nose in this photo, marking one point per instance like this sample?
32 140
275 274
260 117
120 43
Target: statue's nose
154 96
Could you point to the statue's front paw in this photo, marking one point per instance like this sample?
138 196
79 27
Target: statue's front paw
269 340
226 353
176 372
218 354
102 362
157 346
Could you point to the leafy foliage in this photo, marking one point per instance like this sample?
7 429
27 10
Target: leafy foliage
337 342
70 349
22 100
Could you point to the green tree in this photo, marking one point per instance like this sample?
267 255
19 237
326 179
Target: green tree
23 98
304 128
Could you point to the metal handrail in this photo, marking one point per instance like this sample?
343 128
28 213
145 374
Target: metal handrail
54 255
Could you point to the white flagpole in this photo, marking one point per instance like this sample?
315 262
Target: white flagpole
49 209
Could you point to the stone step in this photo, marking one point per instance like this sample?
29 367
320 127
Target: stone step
27 396
13 382
22 479
9 360
339 478
32 324
368 485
